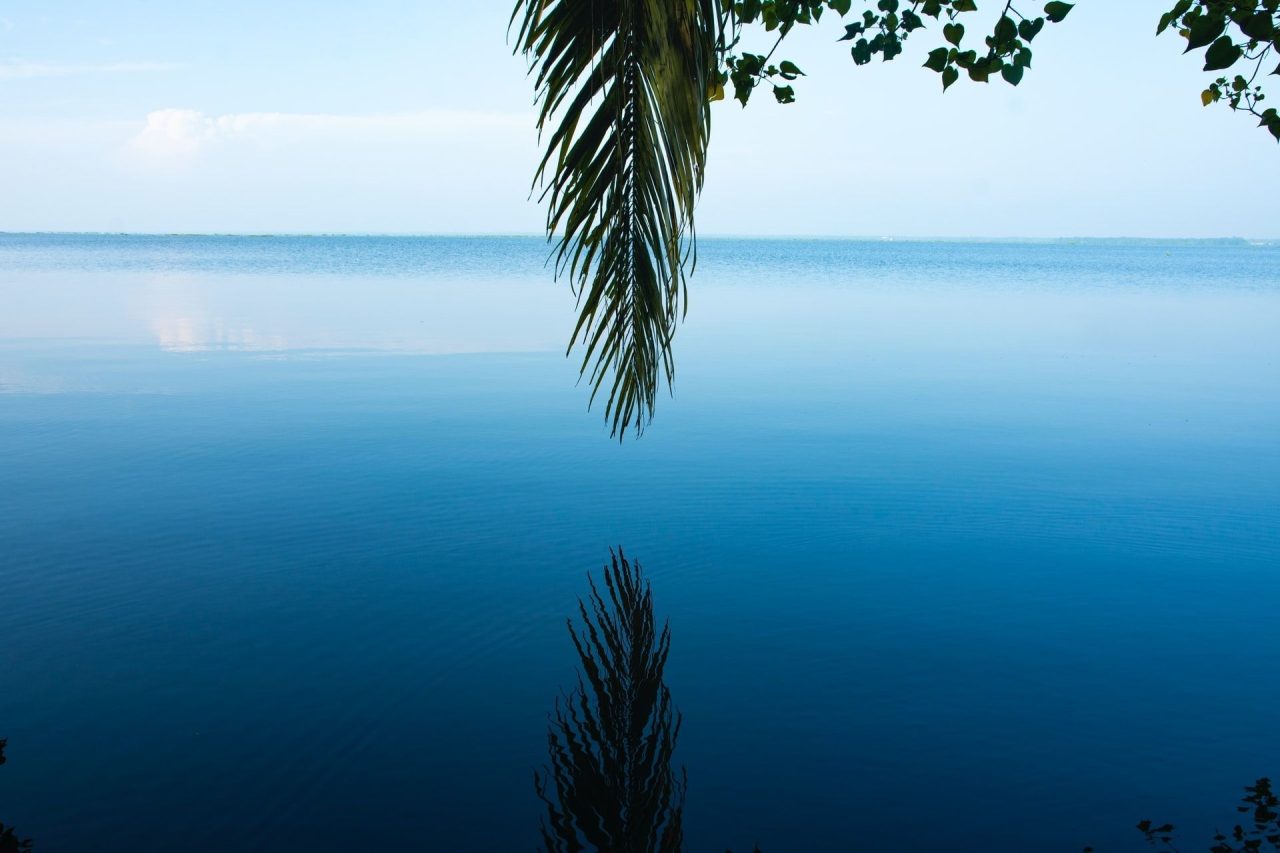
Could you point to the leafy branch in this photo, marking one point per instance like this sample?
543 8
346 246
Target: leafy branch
1232 32
882 32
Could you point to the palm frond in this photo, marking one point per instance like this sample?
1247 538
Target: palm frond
623 91
610 785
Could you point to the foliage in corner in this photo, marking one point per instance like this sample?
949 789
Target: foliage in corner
611 785
1259 801
882 31
9 840
1232 33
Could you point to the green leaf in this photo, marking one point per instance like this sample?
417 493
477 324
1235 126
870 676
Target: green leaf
840 6
964 6
1057 10
953 33
1029 28
1223 53
852 31
937 59
1006 29
784 94
1271 121
1179 9
1012 74
1204 30
949 76
1259 26
788 70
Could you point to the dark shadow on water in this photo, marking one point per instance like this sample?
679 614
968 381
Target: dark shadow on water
1263 833
9 840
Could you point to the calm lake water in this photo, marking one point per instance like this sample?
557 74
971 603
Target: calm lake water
964 546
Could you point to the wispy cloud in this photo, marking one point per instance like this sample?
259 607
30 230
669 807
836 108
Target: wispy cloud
181 133
18 69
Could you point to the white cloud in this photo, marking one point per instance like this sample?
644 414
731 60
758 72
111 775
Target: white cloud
17 69
179 134
174 133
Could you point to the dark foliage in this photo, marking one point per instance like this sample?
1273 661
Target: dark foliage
9 840
610 785
881 30
1241 34
1262 832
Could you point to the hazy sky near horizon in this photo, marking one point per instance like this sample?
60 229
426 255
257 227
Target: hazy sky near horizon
402 117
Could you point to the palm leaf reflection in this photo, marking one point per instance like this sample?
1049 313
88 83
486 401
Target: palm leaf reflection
610 784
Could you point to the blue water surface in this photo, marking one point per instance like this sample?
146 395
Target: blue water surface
964 546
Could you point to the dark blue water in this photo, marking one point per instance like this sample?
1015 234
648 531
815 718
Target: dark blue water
964 546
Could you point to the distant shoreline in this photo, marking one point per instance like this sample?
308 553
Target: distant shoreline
1125 241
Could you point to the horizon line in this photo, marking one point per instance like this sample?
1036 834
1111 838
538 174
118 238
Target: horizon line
884 238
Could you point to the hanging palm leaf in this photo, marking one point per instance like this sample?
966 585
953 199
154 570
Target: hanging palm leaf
623 91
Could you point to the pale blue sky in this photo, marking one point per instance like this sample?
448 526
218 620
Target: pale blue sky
414 118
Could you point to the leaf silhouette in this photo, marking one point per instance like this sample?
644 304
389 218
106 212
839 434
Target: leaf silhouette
610 785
